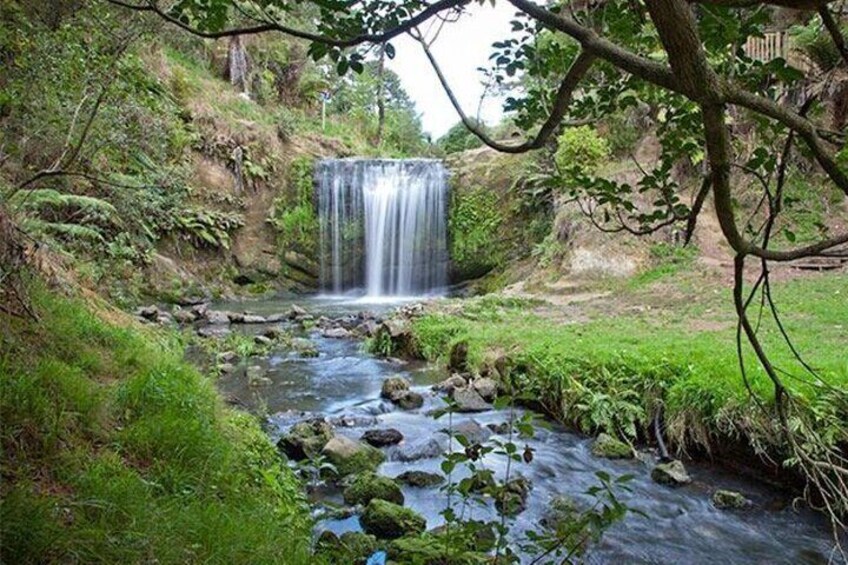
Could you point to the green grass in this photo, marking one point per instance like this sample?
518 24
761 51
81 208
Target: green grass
115 450
612 372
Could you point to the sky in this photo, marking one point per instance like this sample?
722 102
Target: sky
461 47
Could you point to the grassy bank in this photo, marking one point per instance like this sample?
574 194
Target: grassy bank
114 450
613 371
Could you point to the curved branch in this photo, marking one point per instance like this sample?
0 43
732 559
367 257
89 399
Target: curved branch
835 33
569 83
425 14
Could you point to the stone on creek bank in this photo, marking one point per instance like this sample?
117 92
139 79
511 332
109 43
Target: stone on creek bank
672 473
306 439
213 332
469 400
390 521
350 456
450 384
487 388
351 547
611 448
420 479
382 438
217 317
730 500
184 316
458 362
365 487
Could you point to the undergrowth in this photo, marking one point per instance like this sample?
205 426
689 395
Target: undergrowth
115 450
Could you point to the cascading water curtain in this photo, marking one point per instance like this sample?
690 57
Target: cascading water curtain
383 226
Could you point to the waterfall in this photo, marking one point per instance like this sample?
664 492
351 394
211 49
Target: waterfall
237 64
383 226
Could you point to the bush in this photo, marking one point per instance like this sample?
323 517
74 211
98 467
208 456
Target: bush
580 151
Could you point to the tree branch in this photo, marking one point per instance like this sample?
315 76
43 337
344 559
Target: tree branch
835 32
569 83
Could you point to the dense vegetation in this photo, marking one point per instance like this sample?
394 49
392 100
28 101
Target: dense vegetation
115 449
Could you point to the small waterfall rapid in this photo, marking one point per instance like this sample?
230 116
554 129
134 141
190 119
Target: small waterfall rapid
383 226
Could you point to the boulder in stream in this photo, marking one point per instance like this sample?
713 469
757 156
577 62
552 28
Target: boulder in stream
425 448
408 400
470 430
730 500
306 439
336 333
217 317
513 497
383 437
304 347
469 400
349 456
390 521
420 479
367 486
610 447
672 473
394 386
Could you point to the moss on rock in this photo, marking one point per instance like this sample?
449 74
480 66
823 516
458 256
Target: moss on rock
368 486
387 520
610 447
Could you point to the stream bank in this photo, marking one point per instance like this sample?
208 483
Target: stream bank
342 384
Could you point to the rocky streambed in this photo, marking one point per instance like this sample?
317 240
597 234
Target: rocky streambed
371 424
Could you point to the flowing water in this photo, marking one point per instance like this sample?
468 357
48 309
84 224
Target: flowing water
681 525
382 225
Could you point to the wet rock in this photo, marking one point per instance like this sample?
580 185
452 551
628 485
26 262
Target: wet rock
353 421
730 500
426 448
217 317
459 357
213 331
199 310
610 447
513 498
368 328
253 319
275 318
408 400
451 383
262 340
390 521
352 547
306 439
487 388
471 430
304 347
382 438
256 376
501 429
336 333
672 473
184 316
398 332
469 400
420 479
393 386
296 312
365 487
436 547
561 513
350 456
226 368
164 318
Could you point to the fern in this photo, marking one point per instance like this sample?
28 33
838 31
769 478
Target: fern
36 227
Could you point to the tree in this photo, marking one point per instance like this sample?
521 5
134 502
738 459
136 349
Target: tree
683 56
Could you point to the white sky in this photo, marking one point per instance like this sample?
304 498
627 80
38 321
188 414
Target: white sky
460 48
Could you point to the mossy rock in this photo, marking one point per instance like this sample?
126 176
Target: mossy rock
352 547
672 473
420 479
393 387
306 439
350 457
610 447
730 500
365 487
387 520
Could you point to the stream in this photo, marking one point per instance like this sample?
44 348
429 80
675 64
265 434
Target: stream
680 525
